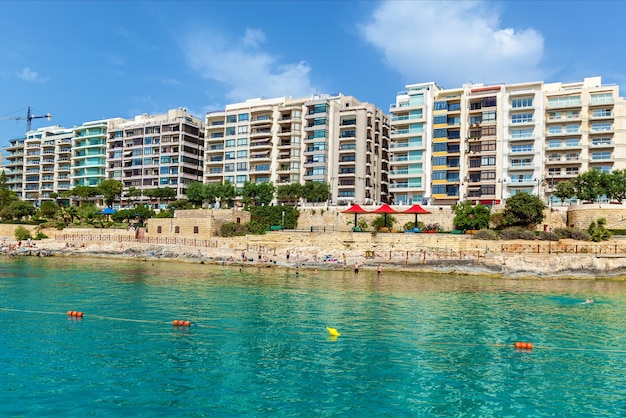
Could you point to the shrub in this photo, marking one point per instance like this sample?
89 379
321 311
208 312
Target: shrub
486 234
572 233
548 236
598 231
517 232
40 235
408 226
233 229
22 233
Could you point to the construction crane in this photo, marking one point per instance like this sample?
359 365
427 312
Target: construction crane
29 118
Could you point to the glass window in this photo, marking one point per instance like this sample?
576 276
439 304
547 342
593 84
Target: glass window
564 101
522 102
243 117
454 106
439 161
439 175
241 179
571 129
440 147
554 143
242 154
601 126
437 120
231 118
602 98
242 166
441 105
229 155
440 133
555 129
572 142
229 143
489 116
243 129
522 118
242 142
601 155
229 167
230 130
522 133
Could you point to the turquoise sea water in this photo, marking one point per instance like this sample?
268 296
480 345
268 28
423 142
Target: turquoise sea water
410 345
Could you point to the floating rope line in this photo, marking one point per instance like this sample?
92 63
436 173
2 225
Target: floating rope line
505 345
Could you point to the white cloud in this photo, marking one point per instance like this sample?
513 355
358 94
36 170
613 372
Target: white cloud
243 68
453 43
29 75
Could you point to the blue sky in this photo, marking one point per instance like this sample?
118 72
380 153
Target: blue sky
89 60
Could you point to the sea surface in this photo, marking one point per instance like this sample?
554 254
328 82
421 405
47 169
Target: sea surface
411 345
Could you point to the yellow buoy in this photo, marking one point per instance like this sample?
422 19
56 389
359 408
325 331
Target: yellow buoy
333 332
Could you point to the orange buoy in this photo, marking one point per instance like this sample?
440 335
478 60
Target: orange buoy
524 345
187 323
181 323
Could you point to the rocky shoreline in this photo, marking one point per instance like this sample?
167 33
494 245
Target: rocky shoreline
505 265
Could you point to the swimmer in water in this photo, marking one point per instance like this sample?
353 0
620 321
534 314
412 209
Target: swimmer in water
588 301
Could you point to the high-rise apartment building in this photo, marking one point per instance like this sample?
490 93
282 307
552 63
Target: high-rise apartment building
487 143
89 146
333 139
152 151
411 144
584 130
39 164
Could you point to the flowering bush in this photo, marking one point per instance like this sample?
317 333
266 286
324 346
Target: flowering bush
432 227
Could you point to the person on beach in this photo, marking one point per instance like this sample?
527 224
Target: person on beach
380 270
356 267
287 255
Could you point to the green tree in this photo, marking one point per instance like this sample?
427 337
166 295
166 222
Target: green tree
18 209
226 192
289 192
196 193
111 189
162 193
565 190
469 217
133 193
255 194
87 212
523 209
590 185
7 196
286 216
314 191
48 209
617 185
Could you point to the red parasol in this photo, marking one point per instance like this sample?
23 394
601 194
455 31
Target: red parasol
417 210
385 209
356 209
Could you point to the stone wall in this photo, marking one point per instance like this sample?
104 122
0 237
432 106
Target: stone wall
332 219
198 223
580 216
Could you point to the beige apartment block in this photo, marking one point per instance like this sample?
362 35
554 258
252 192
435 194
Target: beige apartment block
334 139
156 151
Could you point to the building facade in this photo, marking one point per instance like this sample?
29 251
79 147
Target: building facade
156 151
334 139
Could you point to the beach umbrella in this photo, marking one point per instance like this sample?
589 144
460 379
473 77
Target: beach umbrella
385 209
356 209
108 212
417 210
